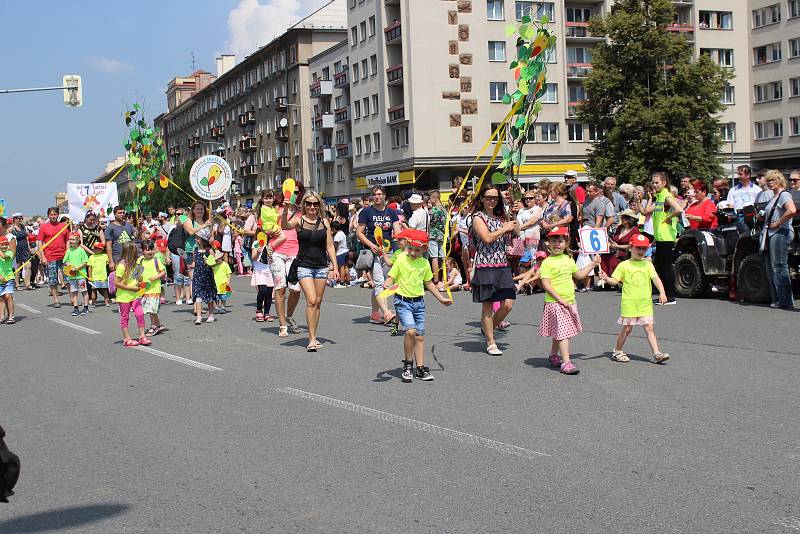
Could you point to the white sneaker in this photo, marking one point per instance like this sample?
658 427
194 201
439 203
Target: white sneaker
189 302
179 302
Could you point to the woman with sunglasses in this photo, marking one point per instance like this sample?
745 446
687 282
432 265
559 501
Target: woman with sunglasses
316 258
492 281
528 220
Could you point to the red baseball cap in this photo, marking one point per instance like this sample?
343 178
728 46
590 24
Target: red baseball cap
640 240
416 238
3 240
216 244
563 231
98 246
161 245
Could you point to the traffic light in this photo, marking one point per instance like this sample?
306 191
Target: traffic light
73 90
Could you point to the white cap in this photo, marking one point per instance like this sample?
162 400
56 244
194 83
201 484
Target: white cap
571 173
162 214
18 214
415 199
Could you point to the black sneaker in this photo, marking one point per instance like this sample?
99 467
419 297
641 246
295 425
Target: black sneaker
85 311
423 373
75 312
408 373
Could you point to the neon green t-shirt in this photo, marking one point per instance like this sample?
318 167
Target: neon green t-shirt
125 295
269 219
98 262
74 257
559 270
663 231
637 291
411 275
6 264
396 254
151 268
222 273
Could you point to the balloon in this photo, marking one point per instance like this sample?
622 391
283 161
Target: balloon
261 237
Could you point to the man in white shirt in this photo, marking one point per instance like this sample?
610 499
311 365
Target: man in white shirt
419 215
744 193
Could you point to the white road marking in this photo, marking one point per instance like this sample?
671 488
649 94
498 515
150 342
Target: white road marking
498 446
27 308
351 305
76 327
179 359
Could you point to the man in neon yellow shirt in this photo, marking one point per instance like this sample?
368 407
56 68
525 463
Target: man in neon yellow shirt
665 210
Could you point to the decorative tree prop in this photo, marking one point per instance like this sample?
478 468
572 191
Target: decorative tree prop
146 157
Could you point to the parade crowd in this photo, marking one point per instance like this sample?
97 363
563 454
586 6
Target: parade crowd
497 243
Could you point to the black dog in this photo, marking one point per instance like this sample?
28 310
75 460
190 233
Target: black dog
9 469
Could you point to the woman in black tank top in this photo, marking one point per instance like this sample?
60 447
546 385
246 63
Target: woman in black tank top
316 258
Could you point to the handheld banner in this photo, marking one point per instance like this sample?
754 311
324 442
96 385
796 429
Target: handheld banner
210 177
594 240
98 198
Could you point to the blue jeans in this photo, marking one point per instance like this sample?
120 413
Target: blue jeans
411 314
320 273
777 267
178 278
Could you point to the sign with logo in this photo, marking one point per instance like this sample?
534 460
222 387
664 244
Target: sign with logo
386 178
210 177
594 240
97 198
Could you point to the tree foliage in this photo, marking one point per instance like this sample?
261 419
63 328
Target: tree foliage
655 106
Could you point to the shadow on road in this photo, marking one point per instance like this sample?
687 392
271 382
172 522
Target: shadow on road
62 518
545 362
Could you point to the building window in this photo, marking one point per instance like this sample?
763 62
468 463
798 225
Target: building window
494 10
794 8
721 56
594 133
767 92
716 20
492 127
376 142
364 69
579 14
400 137
575 132
358 146
549 132
766 15
496 91
728 95
577 54
357 109
766 54
550 95
794 125
363 30
794 47
353 36
794 87
356 76
367 144
372 25
365 104
534 9
497 50
374 63
294 87
340 173
374 104
771 129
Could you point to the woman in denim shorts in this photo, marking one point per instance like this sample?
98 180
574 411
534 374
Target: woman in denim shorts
316 258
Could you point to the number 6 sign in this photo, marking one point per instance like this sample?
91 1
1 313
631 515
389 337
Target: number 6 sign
594 240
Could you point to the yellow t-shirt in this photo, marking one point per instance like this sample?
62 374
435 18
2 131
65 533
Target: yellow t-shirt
73 258
637 290
396 254
559 270
222 274
269 219
99 263
150 269
410 275
125 295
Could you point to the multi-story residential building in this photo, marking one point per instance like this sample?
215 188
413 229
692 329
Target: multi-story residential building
258 114
430 84
330 96
179 90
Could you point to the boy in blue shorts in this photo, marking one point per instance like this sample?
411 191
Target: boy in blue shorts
412 274
6 282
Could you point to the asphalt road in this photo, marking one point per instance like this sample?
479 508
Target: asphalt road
253 434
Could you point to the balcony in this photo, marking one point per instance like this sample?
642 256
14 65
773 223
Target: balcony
321 88
325 154
682 28
217 132
578 71
219 151
391 2
282 134
393 34
342 78
281 105
342 114
343 150
175 150
191 143
283 163
248 117
397 114
394 75
248 144
579 31
572 109
249 170
324 121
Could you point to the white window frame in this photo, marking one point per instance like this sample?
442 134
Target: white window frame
548 129
376 142
551 89
492 8
372 26
497 90
728 95
575 132
497 51
794 48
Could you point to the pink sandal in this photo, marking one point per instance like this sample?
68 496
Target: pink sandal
130 342
568 368
145 341
259 317
555 360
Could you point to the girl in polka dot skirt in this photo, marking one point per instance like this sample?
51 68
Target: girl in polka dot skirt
560 319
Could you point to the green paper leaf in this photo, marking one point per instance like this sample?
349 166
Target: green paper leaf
134 135
523 86
513 65
511 30
183 218
503 164
506 99
505 151
526 19
134 160
523 52
515 157
499 178
140 184
520 121
545 19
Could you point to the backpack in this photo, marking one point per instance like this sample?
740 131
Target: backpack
176 239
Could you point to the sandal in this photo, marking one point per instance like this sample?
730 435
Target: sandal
161 328
269 318
259 317
145 341
11 320
503 326
389 318
660 357
619 356
130 342
555 360
283 331
568 368
375 318
492 350
312 347
151 331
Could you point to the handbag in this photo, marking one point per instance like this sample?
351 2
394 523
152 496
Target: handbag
365 260
516 248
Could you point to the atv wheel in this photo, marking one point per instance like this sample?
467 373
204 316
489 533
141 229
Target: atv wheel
690 281
752 282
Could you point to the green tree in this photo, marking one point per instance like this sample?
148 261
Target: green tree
655 106
161 198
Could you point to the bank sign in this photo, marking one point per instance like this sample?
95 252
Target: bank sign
386 179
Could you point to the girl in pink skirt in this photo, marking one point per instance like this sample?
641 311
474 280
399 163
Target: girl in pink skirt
560 319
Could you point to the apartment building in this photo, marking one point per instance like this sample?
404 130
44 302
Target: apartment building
257 114
331 108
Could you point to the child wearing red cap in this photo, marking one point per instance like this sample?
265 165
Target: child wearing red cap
560 319
413 274
98 274
75 262
636 275
6 282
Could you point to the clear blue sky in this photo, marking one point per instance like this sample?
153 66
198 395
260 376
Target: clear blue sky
125 52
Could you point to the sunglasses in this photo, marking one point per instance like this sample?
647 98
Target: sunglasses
530 198
791 180
491 198
310 204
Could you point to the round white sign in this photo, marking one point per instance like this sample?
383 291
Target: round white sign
210 177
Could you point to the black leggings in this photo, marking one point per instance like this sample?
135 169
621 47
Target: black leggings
662 261
264 299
